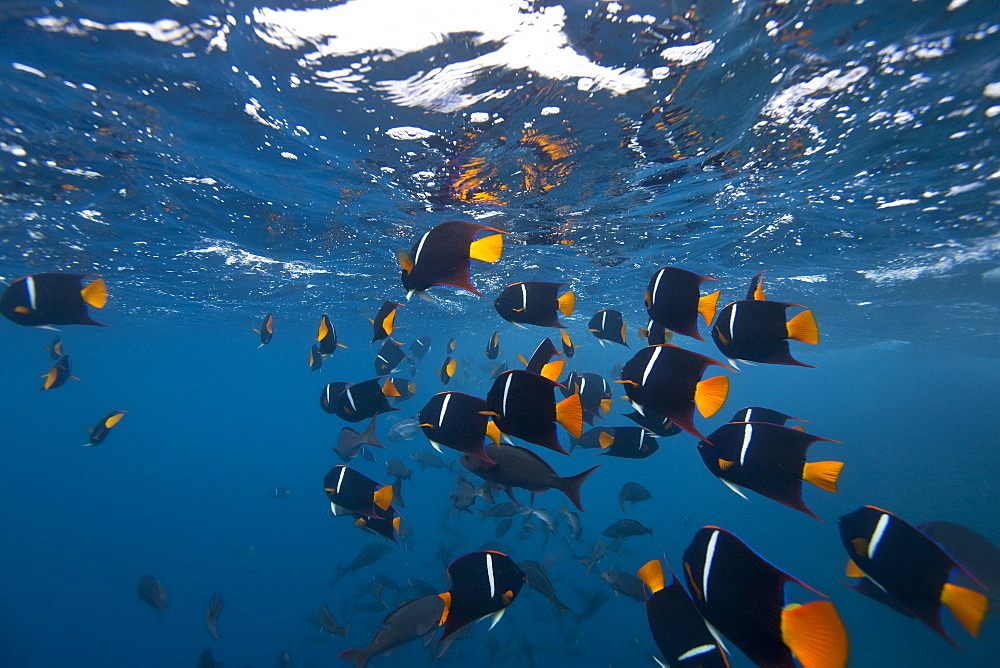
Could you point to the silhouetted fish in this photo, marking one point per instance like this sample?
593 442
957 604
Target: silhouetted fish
154 594
212 613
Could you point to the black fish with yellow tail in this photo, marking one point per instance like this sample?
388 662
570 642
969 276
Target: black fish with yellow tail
483 584
266 330
666 380
757 331
742 596
910 568
674 301
441 256
103 428
326 335
523 405
385 321
42 300
535 303
352 492
768 459
58 374
608 325
458 421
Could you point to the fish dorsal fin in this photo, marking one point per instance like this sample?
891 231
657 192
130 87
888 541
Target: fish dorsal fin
395 524
710 394
567 303
853 571
605 440
405 261
651 575
815 634
823 474
968 606
383 497
803 328
706 306
569 413
487 249
553 370
95 294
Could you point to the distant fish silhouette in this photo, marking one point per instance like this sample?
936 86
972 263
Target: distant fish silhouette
212 613
154 594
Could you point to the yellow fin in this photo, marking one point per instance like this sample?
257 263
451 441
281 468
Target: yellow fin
405 261
113 420
383 497
565 338
758 293
852 570
50 378
360 522
25 309
606 405
493 432
711 394
651 575
605 440
706 306
446 597
823 474
487 249
860 546
95 294
648 298
521 359
395 524
623 332
389 390
567 303
725 464
323 331
803 328
968 606
450 368
815 634
569 413
388 323
553 370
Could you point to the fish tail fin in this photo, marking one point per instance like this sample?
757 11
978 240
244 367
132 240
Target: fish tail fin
369 437
397 491
383 497
815 634
572 485
567 303
823 474
803 328
968 606
711 394
405 260
706 306
389 390
553 370
358 656
569 413
487 249
96 293
651 575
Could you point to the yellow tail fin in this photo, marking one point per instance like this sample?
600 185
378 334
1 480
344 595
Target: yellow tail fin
815 634
711 394
323 331
487 249
493 432
450 368
113 420
389 390
521 359
605 440
446 597
553 370
95 294
706 306
803 328
823 474
383 497
567 303
388 324
569 413
968 606
651 575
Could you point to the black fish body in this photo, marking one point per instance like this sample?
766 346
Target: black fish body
266 330
482 583
384 322
674 301
534 303
353 492
389 356
756 331
326 335
441 256
523 405
758 414
103 428
58 374
608 325
364 400
631 443
457 421
493 346
654 424
39 300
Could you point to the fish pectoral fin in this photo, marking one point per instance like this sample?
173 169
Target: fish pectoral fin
405 260
815 634
96 293
725 464
710 394
823 474
605 440
968 606
487 249
733 487
853 570
803 328
496 617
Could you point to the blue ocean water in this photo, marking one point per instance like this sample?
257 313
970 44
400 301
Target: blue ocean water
216 161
